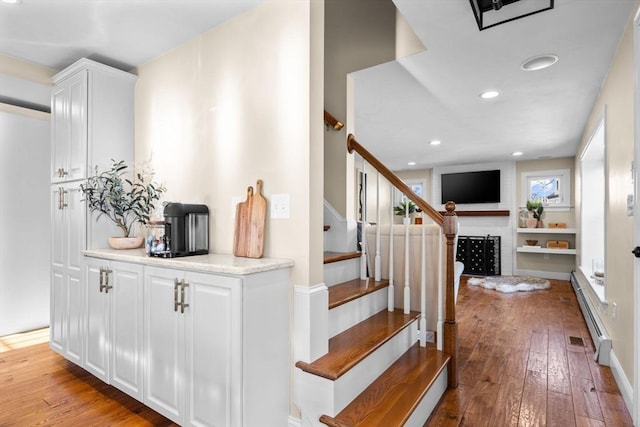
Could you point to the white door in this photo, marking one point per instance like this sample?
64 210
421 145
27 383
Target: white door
97 345
77 163
163 344
214 351
126 327
636 225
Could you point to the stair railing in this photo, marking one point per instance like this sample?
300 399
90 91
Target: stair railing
448 225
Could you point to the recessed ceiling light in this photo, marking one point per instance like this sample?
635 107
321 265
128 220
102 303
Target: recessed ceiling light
517 153
539 62
411 163
489 94
435 142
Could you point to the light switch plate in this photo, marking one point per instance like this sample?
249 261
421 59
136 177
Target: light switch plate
280 206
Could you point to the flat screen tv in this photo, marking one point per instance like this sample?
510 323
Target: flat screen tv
471 187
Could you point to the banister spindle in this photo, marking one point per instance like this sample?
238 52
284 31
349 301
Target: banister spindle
378 262
407 289
423 284
363 256
391 290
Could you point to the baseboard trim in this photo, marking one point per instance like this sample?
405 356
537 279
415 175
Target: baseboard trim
623 382
543 274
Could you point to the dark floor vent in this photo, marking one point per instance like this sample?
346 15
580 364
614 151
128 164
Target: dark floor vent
576 341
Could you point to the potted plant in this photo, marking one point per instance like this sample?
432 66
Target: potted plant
404 209
536 209
123 200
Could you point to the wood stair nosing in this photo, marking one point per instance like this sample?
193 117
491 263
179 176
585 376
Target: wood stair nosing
392 398
344 292
330 257
350 347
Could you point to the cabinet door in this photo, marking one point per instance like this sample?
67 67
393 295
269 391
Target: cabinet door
126 327
69 123
60 131
163 344
214 357
97 318
74 324
58 309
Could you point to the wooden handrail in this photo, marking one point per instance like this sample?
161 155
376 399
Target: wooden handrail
449 228
353 145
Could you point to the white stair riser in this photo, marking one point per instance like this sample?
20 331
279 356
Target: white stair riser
351 384
341 271
429 401
322 396
346 315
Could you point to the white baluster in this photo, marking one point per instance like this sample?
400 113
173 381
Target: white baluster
407 289
391 290
378 262
423 286
363 257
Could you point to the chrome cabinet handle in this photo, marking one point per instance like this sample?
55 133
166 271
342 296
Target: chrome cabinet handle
62 173
61 202
106 280
183 304
101 279
176 283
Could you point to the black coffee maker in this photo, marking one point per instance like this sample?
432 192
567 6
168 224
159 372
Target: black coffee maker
186 230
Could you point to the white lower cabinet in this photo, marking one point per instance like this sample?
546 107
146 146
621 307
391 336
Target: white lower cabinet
113 345
192 322
201 347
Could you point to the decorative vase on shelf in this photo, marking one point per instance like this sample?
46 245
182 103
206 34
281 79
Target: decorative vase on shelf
531 222
406 220
540 224
125 242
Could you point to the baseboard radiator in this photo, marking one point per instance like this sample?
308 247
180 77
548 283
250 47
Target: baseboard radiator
601 339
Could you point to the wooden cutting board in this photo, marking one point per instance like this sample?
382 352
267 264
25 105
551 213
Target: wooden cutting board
251 215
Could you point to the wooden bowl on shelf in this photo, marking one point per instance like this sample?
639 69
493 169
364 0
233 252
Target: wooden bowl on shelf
531 242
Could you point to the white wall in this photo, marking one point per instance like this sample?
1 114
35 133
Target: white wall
25 226
502 226
233 106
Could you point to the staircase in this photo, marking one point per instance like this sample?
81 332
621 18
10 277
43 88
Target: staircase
375 372
377 369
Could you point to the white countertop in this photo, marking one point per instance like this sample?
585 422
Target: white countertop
211 263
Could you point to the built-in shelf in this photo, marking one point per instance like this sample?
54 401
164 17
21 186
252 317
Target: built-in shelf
547 230
495 212
533 250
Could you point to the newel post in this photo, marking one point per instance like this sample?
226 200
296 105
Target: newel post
450 331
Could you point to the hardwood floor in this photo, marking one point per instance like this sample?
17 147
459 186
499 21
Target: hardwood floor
519 367
39 387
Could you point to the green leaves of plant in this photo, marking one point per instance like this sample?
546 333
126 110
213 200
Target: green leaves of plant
122 200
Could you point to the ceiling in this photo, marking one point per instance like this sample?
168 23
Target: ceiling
120 33
401 105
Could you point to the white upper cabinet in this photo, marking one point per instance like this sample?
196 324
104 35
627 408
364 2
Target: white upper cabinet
91 119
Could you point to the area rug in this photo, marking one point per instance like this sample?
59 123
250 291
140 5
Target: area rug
509 284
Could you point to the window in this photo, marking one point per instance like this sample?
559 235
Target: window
418 186
552 187
592 212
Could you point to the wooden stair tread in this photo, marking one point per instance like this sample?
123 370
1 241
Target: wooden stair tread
350 347
330 256
394 395
348 291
